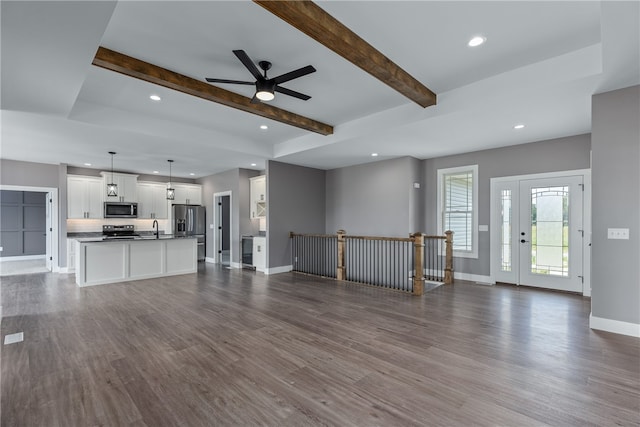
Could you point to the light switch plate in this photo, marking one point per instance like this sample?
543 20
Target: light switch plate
211 226
618 233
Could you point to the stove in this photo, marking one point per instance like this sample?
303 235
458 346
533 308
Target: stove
118 232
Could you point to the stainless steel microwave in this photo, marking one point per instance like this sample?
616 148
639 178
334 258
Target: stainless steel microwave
120 210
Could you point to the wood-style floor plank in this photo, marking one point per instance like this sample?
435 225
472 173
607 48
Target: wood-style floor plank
234 347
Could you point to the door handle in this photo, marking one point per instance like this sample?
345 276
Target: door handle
524 241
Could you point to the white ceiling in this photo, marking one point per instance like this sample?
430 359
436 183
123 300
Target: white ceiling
540 65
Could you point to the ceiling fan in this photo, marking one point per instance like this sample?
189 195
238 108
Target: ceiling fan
265 87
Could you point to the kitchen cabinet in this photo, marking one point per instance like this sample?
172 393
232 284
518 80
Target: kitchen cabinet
258 196
127 187
152 200
84 197
260 253
187 194
71 255
100 262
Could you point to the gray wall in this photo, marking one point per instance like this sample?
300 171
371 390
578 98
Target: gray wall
545 156
375 199
236 181
295 202
28 174
616 204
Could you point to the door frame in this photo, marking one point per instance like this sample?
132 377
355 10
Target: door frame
52 232
216 223
586 219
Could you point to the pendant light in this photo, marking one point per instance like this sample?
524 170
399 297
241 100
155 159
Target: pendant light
171 192
112 188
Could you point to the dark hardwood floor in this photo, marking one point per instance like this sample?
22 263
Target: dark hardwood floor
232 347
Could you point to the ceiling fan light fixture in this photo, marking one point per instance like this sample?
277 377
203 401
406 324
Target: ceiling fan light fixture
264 95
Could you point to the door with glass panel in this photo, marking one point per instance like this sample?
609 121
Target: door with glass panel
538 234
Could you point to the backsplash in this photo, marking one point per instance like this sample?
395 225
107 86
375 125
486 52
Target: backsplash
95 225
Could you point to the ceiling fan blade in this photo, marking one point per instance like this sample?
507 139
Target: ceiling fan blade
294 74
293 93
248 63
238 82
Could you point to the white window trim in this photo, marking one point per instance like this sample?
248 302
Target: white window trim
474 233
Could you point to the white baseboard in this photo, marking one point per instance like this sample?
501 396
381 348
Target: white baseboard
473 277
278 270
22 258
235 265
65 270
210 260
615 326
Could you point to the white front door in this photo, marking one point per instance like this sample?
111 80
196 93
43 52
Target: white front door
538 232
551 233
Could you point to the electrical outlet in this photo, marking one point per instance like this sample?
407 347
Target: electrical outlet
618 233
1 249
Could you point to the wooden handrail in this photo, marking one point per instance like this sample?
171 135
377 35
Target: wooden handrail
389 239
293 234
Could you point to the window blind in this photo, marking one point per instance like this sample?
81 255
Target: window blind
458 209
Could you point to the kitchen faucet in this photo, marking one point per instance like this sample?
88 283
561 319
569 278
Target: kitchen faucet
155 225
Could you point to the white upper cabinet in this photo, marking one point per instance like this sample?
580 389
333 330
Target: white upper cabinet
189 194
127 187
152 200
258 196
84 197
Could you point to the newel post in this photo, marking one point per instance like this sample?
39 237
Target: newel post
418 270
341 272
448 270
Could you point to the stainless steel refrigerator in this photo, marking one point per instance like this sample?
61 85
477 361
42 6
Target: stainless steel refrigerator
189 220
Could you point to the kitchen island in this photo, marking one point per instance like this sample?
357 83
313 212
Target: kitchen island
100 261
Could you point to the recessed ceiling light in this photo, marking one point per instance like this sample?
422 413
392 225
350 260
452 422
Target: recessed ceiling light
477 41
374 154
253 164
264 127
192 174
156 172
520 126
155 98
87 164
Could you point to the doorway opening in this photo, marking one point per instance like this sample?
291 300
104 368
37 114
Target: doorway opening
29 225
540 230
222 241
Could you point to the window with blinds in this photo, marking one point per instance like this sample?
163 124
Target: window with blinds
457 207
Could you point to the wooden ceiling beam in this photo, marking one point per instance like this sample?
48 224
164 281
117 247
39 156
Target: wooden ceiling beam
312 20
132 67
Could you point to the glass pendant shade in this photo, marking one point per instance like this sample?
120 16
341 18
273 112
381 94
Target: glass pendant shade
112 188
171 192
